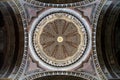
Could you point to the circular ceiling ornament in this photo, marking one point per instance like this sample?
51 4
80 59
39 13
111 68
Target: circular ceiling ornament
59 39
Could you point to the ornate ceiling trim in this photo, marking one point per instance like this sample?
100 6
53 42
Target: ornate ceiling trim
99 71
15 37
83 75
81 3
25 54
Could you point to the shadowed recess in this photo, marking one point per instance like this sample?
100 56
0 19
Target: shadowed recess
117 39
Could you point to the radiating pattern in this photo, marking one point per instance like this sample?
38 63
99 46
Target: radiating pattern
59 39
60 29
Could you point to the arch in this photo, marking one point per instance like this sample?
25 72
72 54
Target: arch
68 3
11 39
63 77
76 75
107 40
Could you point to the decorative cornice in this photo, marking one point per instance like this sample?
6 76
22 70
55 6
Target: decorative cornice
76 74
81 3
